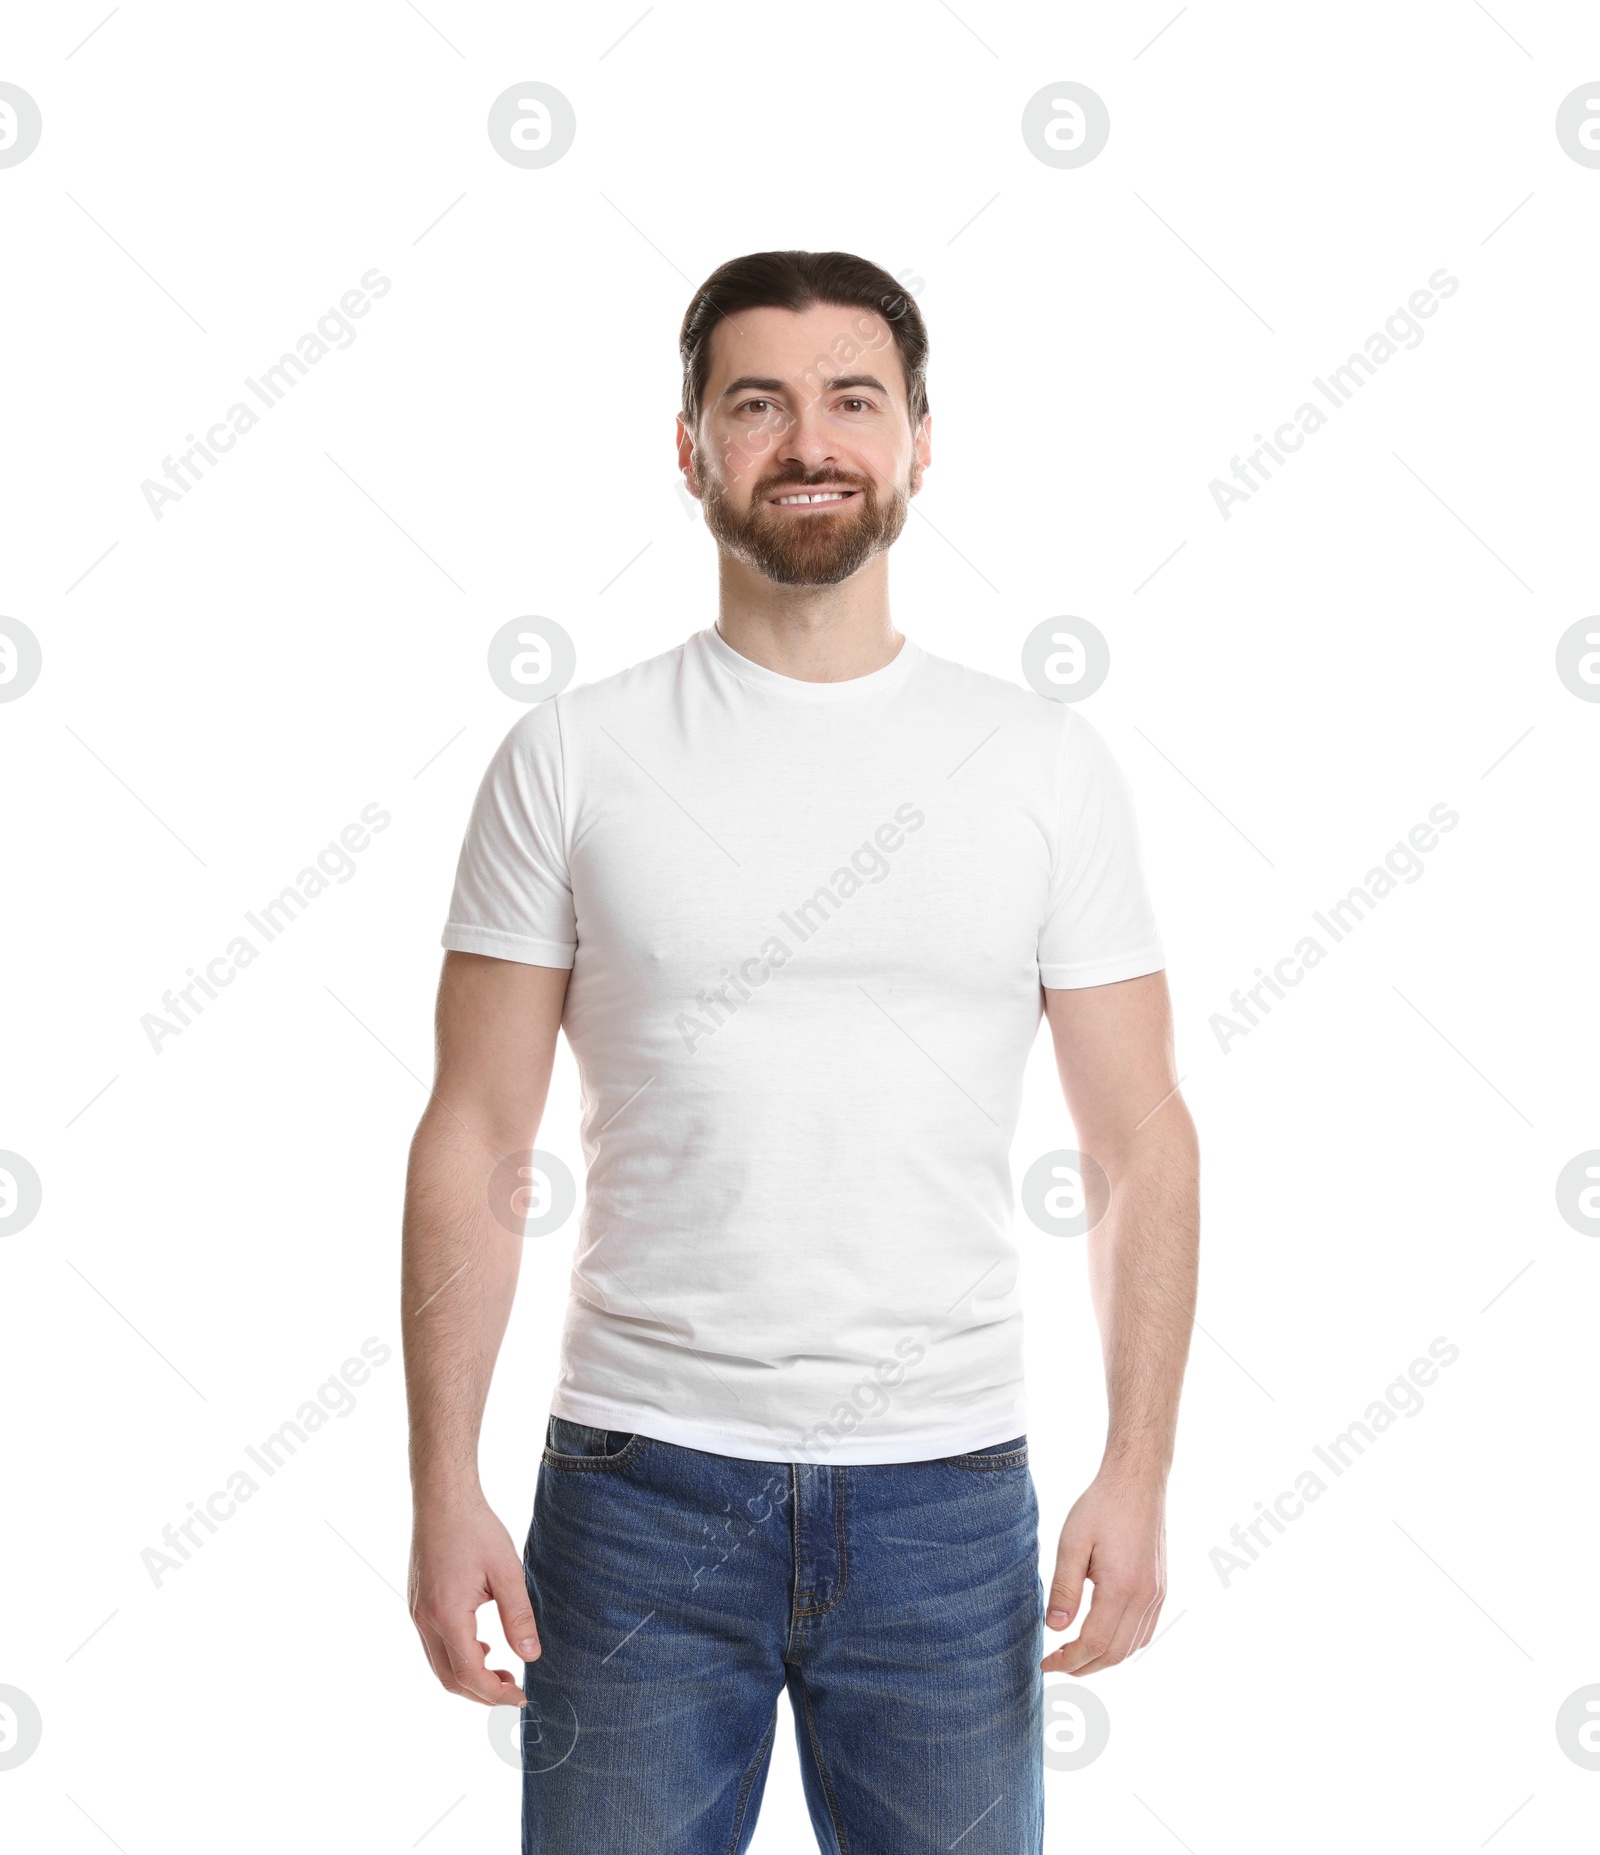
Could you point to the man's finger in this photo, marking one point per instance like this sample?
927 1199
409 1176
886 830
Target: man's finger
1089 1648
510 1590
1123 1633
1066 1588
433 1648
1115 1625
468 1674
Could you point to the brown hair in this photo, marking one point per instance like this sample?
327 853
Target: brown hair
799 280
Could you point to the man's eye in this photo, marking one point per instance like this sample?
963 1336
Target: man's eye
865 403
762 403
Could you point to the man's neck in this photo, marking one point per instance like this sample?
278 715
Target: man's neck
816 634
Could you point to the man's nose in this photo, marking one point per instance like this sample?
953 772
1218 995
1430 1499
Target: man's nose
806 441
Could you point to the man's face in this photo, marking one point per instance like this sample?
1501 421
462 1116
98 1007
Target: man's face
805 458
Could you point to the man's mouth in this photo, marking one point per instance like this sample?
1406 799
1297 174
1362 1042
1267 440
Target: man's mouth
812 498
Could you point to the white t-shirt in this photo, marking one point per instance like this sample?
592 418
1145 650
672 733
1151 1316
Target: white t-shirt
807 925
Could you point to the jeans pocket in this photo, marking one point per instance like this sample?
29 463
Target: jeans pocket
1010 1455
579 1445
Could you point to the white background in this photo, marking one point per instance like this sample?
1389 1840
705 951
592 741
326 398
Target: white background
1294 688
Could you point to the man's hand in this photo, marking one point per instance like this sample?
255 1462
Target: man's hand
1115 1537
1114 1050
461 1557
497 1025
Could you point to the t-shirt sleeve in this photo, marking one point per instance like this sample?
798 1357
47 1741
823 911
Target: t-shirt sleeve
1099 926
513 895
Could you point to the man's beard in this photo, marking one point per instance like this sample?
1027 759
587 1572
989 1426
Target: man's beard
805 550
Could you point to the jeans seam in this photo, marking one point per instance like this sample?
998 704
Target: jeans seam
840 1548
974 1459
791 1647
822 1768
556 1461
747 1783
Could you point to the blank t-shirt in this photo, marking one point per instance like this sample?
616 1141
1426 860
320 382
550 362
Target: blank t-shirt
807 926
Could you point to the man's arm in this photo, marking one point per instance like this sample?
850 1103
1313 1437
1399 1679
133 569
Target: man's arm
496 1038
1114 1052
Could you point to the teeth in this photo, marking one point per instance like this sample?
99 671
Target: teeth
819 496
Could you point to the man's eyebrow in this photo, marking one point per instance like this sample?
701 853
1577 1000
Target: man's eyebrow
755 383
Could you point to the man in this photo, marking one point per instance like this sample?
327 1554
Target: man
799 892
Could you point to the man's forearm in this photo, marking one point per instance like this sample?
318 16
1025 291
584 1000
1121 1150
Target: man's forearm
1143 1260
458 1280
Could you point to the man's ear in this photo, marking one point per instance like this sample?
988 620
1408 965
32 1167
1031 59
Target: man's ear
686 457
922 450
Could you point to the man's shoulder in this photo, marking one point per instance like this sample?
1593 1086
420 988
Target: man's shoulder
972 691
649 679
1038 738
547 731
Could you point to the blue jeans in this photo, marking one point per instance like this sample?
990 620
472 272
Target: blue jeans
678 1592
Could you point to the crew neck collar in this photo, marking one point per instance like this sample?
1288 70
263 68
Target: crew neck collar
797 689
